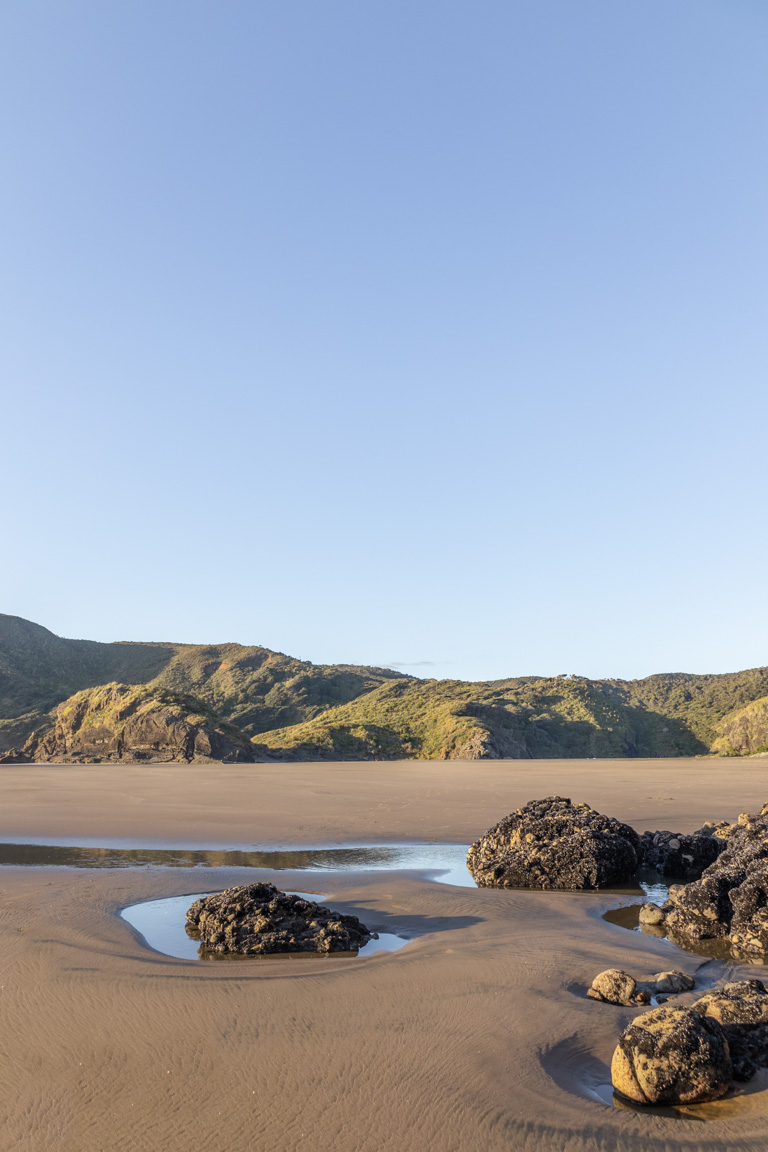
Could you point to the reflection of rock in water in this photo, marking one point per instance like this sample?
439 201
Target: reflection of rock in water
730 901
257 919
553 843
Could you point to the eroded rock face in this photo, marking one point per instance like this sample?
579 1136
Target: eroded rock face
680 854
672 1056
14 756
258 919
122 722
553 843
730 901
741 1009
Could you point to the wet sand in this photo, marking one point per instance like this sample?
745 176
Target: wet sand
476 1035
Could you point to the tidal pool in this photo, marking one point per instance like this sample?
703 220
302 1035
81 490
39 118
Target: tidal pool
628 916
448 861
161 925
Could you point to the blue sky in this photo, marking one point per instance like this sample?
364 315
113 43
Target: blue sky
427 335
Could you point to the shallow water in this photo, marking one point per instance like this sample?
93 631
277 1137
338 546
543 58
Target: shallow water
577 1069
629 917
446 862
449 860
161 925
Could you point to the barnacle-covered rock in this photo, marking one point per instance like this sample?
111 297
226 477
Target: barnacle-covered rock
553 843
672 1056
258 918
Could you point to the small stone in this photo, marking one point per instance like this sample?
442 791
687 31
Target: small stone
613 987
672 982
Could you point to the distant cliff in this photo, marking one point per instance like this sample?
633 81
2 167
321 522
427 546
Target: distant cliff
117 722
745 731
270 706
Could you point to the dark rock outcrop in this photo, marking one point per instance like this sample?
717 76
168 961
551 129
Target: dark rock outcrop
681 854
553 843
741 1009
258 919
14 756
118 722
744 732
672 1056
730 901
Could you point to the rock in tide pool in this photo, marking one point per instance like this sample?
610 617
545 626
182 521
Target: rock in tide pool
259 919
616 987
730 901
553 843
672 1056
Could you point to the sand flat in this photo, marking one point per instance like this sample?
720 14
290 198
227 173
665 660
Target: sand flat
477 1035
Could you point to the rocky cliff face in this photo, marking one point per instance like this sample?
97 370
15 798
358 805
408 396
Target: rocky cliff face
117 722
745 731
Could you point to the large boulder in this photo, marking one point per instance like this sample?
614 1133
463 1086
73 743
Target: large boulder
553 843
132 722
259 918
672 1056
741 1009
685 855
730 901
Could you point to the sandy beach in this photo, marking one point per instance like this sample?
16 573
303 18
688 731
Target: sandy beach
476 1035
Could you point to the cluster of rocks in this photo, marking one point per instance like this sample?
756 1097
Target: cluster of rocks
614 986
677 1055
730 900
553 843
258 919
683 854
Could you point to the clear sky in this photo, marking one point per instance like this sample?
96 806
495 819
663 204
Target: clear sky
406 333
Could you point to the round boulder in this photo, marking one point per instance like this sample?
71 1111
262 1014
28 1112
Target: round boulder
616 987
258 919
672 1056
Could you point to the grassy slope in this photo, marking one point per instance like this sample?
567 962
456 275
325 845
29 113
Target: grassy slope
292 708
254 688
745 731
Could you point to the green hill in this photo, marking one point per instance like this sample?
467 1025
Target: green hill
292 709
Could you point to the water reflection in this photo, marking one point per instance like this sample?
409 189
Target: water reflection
718 949
448 859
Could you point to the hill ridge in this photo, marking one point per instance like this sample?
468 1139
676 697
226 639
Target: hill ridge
290 708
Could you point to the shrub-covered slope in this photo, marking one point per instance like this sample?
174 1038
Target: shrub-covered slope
252 687
745 731
118 722
293 709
